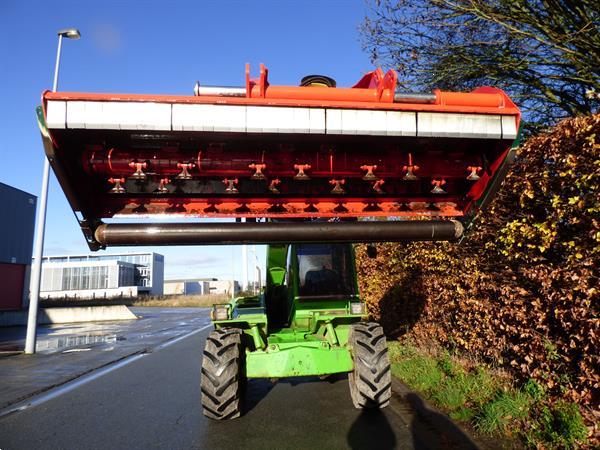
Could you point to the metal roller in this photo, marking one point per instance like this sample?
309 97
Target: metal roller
276 232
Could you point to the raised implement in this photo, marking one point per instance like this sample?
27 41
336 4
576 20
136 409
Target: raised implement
312 169
280 152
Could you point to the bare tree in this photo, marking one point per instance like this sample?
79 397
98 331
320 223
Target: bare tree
544 53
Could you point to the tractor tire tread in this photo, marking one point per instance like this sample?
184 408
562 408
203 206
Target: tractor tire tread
221 378
371 380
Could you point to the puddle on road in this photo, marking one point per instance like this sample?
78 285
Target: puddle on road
53 344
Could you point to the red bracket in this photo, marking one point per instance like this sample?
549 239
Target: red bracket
273 185
301 168
337 186
377 186
437 186
117 189
473 175
369 176
230 183
162 185
185 167
138 166
258 168
410 169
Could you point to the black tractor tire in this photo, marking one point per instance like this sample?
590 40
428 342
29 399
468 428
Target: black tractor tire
371 380
222 374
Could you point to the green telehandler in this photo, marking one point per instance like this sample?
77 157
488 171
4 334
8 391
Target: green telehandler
307 321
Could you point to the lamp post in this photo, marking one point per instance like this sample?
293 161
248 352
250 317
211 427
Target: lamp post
36 267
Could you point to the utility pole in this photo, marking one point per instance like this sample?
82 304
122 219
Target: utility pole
36 266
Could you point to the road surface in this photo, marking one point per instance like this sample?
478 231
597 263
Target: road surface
154 402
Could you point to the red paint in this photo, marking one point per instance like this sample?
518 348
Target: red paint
12 279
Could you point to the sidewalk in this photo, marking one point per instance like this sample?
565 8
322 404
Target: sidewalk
68 351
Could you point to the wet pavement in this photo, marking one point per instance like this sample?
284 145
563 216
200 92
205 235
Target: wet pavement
153 401
68 351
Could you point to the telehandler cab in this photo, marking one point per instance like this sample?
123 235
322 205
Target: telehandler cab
312 169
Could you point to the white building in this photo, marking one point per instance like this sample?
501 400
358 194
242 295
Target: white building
92 276
201 286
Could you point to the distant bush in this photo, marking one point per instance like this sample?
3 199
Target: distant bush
521 291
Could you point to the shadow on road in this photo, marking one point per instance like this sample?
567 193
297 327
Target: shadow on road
258 388
371 430
432 429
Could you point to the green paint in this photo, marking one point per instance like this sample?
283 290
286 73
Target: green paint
300 359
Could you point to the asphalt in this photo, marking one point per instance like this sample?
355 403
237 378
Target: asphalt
152 400
68 351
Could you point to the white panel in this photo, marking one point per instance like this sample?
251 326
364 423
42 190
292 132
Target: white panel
112 115
459 125
371 122
193 117
401 123
509 127
273 119
76 114
56 114
349 121
317 121
267 119
229 118
93 117
282 121
333 121
154 116
139 115
301 120
254 119
119 115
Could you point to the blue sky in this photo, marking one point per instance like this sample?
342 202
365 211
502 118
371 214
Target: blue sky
157 47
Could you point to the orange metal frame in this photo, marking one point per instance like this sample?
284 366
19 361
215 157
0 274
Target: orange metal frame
73 155
375 90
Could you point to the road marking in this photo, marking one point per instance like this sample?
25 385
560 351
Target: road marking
94 375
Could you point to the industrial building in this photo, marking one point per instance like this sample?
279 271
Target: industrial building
16 242
102 275
201 286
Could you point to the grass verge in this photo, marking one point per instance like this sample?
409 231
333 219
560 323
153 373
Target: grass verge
166 301
487 399
181 301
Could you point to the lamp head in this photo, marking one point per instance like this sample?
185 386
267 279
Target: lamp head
70 33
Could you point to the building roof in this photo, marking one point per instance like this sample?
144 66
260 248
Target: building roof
188 280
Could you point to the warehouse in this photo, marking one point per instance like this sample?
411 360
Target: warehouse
102 275
16 242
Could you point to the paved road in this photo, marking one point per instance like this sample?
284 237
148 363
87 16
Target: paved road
67 351
153 402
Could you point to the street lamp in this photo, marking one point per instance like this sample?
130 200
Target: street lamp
36 266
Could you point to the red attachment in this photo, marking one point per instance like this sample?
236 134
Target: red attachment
230 183
138 166
377 186
162 185
410 169
117 189
273 186
369 176
185 168
258 168
309 175
473 175
437 186
301 168
337 186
